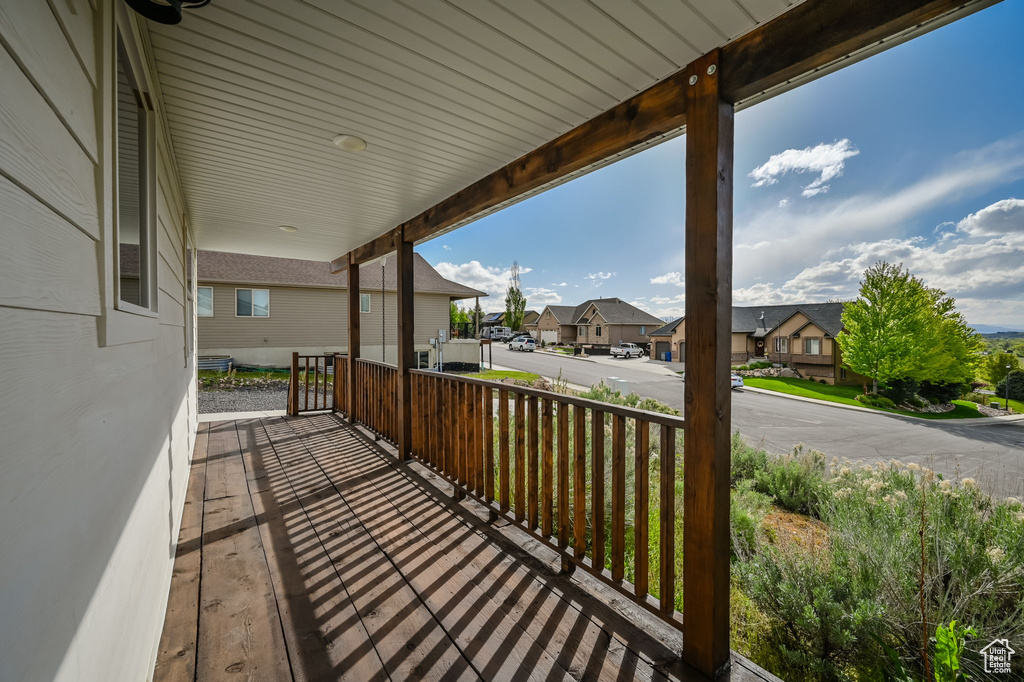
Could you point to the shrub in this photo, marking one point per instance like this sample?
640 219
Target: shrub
876 400
898 391
746 514
914 401
796 480
741 368
1016 382
979 398
823 381
941 393
746 461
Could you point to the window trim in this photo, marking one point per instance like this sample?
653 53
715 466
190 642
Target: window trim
125 49
597 330
254 316
807 341
212 313
782 344
366 298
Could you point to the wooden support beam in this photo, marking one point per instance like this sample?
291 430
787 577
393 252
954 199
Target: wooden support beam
353 336
707 398
406 354
812 38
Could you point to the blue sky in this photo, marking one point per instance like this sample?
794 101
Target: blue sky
915 155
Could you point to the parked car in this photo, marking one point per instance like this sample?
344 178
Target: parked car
627 350
523 343
737 381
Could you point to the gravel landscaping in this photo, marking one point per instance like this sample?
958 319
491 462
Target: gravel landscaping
244 399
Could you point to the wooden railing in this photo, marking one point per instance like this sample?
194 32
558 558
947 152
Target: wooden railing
316 383
559 467
376 398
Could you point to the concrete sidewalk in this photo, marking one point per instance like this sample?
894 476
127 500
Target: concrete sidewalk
645 363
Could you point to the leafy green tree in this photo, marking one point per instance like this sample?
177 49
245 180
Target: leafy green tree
515 301
993 367
954 348
1016 381
458 315
885 331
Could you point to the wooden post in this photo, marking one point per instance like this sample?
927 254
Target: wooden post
709 176
353 337
406 354
293 386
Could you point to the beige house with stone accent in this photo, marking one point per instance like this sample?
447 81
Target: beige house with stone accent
598 322
259 309
803 336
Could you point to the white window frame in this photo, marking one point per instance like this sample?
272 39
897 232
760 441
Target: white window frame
807 345
126 52
420 362
581 331
364 303
254 316
199 314
643 329
781 344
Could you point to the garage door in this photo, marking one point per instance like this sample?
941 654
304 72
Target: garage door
661 347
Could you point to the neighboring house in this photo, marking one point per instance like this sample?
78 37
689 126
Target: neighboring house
529 324
669 339
801 335
492 320
259 309
599 322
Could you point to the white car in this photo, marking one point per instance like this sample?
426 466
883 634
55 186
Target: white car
523 343
737 381
627 350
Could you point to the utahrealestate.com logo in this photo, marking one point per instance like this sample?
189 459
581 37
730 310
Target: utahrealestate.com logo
997 656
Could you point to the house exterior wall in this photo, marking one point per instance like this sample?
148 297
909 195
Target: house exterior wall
629 333
310 318
98 435
547 322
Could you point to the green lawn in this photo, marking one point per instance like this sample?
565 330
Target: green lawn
1017 405
846 394
498 375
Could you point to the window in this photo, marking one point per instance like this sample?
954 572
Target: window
135 217
423 359
842 373
597 331
204 301
643 329
252 302
582 331
812 346
364 303
781 344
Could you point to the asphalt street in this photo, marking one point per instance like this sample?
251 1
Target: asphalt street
992 453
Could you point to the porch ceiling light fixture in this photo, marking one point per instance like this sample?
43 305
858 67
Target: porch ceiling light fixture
350 143
288 228
164 11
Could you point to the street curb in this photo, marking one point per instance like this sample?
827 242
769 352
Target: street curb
571 357
984 421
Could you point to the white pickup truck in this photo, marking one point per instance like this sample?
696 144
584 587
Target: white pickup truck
627 350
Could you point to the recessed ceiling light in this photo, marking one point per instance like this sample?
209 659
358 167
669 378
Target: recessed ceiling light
288 228
350 143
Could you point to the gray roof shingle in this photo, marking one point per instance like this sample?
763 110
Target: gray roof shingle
238 268
668 330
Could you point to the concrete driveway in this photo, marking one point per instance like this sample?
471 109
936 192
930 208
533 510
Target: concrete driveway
991 451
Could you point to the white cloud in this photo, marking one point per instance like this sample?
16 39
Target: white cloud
598 278
675 278
981 265
826 160
783 203
541 297
446 247
563 284
493 280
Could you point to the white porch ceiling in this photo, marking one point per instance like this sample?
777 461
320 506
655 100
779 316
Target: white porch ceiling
443 91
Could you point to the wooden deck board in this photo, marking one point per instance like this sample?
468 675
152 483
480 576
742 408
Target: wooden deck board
306 552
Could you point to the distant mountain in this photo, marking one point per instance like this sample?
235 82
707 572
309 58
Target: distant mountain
667 319
1012 330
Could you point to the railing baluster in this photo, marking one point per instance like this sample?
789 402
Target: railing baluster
579 482
564 458
520 457
618 496
488 444
503 455
641 495
534 463
463 433
547 471
305 406
667 506
597 519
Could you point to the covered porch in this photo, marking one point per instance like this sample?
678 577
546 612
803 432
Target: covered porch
308 551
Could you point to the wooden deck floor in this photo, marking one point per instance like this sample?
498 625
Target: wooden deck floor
306 552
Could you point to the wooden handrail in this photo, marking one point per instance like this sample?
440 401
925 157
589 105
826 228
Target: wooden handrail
299 394
552 472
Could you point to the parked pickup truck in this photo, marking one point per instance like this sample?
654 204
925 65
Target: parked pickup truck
627 350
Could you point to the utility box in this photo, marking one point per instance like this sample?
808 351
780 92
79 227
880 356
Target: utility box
617 384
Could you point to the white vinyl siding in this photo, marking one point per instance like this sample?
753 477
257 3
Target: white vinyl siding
92 508
204 301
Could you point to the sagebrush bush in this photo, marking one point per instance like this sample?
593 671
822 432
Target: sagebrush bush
796 480
980 398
